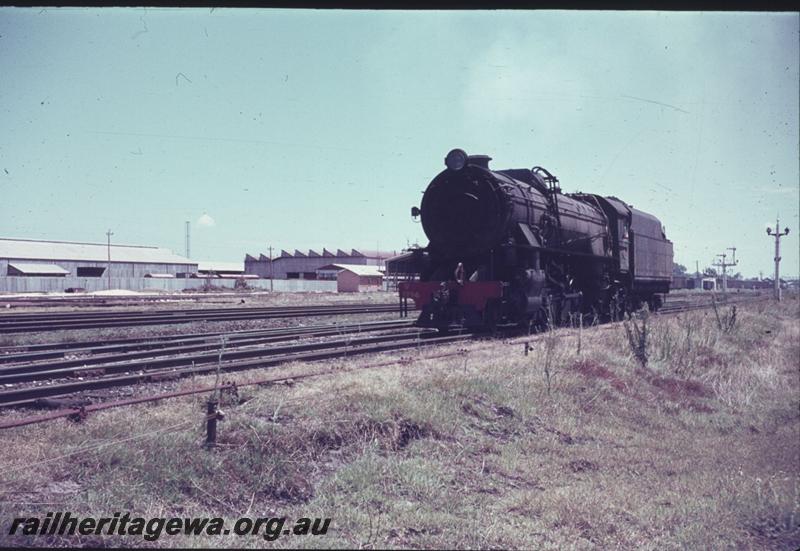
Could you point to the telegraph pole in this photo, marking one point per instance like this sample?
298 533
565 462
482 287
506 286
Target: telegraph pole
271 271
698 281
724 265
187 239
777 234
109 233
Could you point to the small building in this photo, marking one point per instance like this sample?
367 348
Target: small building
352 278
709 284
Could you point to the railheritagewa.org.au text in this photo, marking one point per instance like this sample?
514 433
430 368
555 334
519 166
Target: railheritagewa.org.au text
151 529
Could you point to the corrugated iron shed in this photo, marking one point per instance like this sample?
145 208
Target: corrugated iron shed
89 252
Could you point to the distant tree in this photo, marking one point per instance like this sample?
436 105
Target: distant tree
710 272
678 269
737 275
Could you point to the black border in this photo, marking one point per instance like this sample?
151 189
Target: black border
599 5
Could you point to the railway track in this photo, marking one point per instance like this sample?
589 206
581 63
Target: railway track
683 305
146 355
56 350
59 321
51 372
126 373
94 300
21 322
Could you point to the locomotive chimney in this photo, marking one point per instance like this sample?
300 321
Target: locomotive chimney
479 160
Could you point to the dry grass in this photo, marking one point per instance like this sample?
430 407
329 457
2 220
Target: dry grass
700 449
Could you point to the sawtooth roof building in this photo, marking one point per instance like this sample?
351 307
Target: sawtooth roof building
304 265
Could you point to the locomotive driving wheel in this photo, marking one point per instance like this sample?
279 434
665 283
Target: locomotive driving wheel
491 316
592 317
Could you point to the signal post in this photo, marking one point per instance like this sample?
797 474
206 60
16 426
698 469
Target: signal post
777 234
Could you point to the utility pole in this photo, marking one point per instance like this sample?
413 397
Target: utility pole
187 239
724 265
698 281
777 234
724 275
109 233
271 271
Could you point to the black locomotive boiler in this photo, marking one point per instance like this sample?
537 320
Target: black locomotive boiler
508 247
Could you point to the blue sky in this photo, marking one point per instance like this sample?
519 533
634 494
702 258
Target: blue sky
304 128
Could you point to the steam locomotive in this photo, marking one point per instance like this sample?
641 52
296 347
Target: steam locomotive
507 247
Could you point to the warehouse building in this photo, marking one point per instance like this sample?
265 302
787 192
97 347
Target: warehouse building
29 265
29 257
304 265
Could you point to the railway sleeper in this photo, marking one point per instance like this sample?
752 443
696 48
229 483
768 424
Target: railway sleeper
168 376
88 372
61 403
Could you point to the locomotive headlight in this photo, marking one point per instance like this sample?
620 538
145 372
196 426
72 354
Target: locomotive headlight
456 159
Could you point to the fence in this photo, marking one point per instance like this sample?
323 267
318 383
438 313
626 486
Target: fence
24 284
